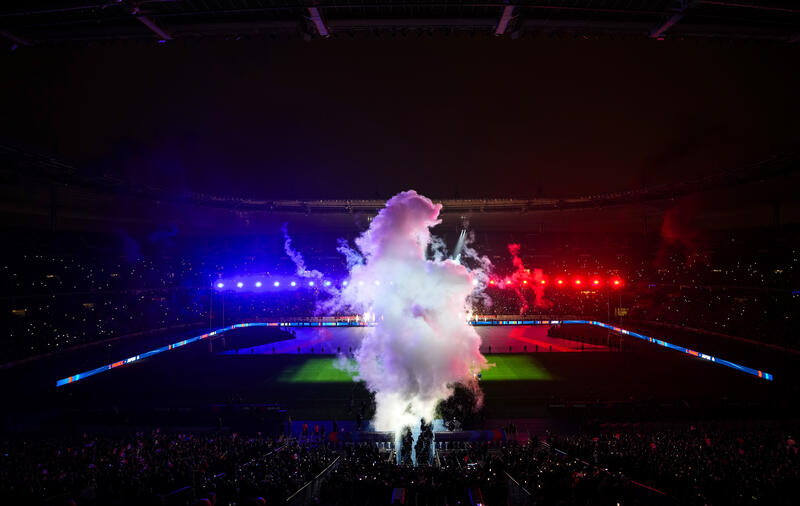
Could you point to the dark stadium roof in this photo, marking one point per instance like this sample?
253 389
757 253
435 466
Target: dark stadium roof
50 171
35 22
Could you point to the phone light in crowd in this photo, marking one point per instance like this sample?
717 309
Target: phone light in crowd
239 284
258 284
293 283
310 283
220 285
277 283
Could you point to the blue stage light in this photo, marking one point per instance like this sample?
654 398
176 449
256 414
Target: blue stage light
277 283
258 284
310 283
220 285
293 283
239 284
344 283
327 283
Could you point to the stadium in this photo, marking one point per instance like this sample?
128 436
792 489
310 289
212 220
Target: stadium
427 253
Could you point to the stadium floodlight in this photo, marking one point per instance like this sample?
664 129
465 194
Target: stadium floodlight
258 284
293 283
239 284
505 19
220 285
318 22
277 283
377 282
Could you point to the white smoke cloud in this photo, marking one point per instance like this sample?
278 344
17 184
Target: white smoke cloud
422 343
297 257
481 268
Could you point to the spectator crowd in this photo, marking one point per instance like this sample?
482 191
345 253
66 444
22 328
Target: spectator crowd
720 465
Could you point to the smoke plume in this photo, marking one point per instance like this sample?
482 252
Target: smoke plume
524 279
297 257
421 344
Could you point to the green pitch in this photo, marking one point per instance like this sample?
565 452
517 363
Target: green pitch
505 368
515 368
314 370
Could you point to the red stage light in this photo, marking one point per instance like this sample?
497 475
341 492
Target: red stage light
508 281
577 281
543 281
617 283
491 282
524 281
596 282
560 282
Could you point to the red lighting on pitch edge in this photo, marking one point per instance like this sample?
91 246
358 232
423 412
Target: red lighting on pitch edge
577 282
617 283
596 282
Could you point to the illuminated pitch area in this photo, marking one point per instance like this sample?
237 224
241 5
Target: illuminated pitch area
522 367
344 340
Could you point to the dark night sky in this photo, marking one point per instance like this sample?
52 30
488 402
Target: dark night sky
370 117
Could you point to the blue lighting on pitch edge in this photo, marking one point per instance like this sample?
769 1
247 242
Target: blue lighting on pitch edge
358 323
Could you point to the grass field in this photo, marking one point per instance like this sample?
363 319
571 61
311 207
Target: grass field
504 368
315 370
515 368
